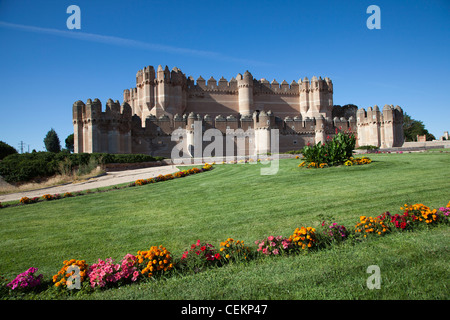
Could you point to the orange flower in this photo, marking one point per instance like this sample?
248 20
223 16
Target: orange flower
155 256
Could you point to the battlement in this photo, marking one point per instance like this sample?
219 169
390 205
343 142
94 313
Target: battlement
148 75
212 85
92 111
389 113
163 125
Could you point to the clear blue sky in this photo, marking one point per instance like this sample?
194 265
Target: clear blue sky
45 67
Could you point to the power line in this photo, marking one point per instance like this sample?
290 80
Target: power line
21 146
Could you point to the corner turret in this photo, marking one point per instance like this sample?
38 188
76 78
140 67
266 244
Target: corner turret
245 92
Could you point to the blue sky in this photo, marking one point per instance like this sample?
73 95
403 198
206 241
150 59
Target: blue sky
45 67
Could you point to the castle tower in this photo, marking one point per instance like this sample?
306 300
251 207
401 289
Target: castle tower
316 97
393 123
146 87
304 96
263 122
162 91
178 96
113 135
78 109
399 137
92 116
320 132
245 92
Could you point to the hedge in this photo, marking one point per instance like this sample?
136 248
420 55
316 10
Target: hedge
27 166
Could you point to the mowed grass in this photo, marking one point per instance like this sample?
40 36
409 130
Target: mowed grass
237 201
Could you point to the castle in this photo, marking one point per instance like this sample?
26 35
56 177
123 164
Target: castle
165 102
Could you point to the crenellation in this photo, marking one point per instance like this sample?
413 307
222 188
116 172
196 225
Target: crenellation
201 83
275 86
223 84
212 83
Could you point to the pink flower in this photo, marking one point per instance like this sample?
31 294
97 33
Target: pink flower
26 279
285 244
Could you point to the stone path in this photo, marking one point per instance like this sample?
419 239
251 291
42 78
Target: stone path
109 179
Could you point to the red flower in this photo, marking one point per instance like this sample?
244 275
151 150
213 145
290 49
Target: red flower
217 256
203 248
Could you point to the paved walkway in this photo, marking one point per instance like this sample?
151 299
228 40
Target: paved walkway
109 179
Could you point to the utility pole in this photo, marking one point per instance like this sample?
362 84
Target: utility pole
21 145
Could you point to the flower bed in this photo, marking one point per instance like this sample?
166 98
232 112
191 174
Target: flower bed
158 261
349 162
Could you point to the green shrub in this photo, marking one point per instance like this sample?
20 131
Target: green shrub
333 152
28 166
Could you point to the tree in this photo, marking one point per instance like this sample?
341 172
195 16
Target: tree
412 128
6 150
70 142
51 141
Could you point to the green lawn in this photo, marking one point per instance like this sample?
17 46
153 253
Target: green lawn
236 201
